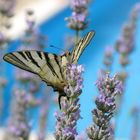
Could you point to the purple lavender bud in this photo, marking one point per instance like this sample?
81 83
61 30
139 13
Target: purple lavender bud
30 20
2 38
70 112
79 4
108 58
78 19
137 7
108 89
18 126
3 82
30 12
109 86
6 7
126 42
135 112
3 43
109 51
105 104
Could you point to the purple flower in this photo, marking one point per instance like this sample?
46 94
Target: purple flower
108 88
108 58
135 130
78 17
6 7
78 20
33 39
18 126
3 43
109 51
79 4
3 82
30 19
44 110
137 6
105 104
70 112
126 42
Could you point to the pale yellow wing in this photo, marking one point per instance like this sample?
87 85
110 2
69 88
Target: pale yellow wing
82 44
46 65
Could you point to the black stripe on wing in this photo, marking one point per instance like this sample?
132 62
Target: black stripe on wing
59 65
54 62
79 48
35 61
13 59
49 64
32 59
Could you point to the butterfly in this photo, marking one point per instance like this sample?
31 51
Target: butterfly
50 67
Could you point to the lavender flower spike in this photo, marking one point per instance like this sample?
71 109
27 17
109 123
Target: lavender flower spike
78 19
108 88
70 112
18 127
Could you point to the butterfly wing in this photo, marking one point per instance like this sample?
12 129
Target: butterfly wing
79 48
46 65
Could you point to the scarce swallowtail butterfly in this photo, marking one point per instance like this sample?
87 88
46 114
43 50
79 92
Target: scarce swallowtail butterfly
50 67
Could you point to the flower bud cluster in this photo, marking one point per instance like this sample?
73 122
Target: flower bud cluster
70 111
105 102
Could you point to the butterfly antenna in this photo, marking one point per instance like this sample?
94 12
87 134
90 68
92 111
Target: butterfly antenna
58 48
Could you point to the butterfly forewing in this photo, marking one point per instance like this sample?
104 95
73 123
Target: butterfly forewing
79 48
16 59
46 65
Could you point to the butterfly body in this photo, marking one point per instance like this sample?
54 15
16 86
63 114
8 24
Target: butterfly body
50 67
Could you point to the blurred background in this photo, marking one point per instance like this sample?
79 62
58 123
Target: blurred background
27 105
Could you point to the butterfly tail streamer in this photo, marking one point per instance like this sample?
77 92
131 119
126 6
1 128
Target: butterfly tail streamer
82 44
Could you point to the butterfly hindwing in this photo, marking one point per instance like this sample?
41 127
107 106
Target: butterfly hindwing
52 71
79 48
